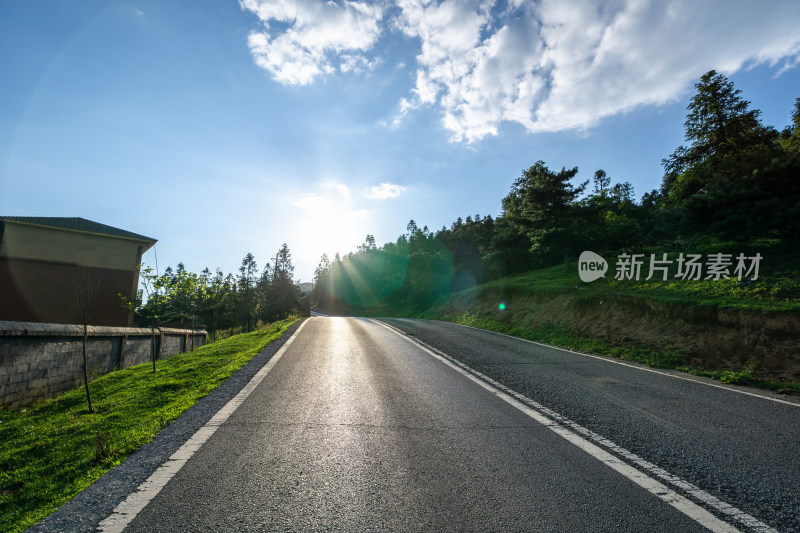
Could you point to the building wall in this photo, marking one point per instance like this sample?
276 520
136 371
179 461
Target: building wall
39 291
58 245
40 361
40 268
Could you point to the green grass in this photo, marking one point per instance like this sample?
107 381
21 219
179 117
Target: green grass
776 293
666 357
777 290
53 450
558 336
769 293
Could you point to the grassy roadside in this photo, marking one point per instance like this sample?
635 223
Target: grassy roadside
665 358
772 298
736 332
779 292
777 289
54 449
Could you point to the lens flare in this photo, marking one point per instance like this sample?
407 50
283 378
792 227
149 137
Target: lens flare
502 306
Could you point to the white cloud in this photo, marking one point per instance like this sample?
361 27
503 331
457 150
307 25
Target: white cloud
310 202
309 34
384 191
548 65
357 64
405 107
332 194
342 189
556 65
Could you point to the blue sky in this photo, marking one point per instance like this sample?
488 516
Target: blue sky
223 127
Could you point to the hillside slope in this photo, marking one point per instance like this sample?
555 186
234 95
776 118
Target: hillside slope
703 335
703 326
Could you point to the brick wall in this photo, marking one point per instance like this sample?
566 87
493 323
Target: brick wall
39 361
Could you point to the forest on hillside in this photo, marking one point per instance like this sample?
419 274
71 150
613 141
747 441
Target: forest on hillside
736 181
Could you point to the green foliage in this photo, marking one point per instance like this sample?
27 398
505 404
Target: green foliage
468 242
742 377
728 140
734 190
284 294
610 219
738 179
765 203
151 299
247 291
217 301
790 136
562 337
54 449
509 251
540 206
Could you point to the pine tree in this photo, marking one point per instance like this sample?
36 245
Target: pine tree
727 140
540 205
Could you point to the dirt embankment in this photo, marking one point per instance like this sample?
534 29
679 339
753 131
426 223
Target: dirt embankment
711 338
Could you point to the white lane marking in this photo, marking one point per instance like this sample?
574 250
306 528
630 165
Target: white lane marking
629 365
560 424
125 512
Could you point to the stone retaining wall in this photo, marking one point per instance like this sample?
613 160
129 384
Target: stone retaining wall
39 361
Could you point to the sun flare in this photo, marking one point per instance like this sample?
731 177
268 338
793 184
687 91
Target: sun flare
329 222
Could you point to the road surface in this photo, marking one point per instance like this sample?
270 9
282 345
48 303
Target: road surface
406 425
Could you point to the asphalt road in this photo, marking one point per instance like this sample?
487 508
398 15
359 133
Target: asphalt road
740 448
357 427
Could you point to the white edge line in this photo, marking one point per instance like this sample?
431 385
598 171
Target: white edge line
687 507
126 511
629 365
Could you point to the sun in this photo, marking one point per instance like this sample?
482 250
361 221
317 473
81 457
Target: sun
328 223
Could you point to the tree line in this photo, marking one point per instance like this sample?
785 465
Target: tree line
736 180
219 301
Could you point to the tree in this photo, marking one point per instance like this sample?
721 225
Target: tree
184 291
765 203
151 302
321 274
217 292
509 251
264 293
727 140
247 290
790 136
191 288
85 292
540 205
369 244
429 270
285 293
468 242
601 182
610 216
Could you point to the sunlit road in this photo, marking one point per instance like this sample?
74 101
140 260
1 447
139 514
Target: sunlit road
358 428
